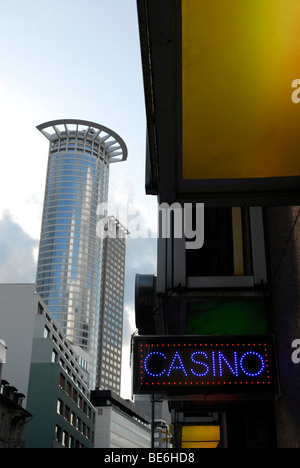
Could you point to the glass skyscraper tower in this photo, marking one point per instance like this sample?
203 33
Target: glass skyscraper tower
70 256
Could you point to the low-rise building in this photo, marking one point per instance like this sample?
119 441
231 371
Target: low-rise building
46 368
13 416
57 394
119 424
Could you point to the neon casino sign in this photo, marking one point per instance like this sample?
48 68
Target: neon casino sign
204 364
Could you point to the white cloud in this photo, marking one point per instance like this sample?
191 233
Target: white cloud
17 253
138 214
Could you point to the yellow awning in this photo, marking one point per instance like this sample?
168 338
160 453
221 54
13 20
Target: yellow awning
239 60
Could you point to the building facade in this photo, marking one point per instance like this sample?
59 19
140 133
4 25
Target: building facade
2 356
70 257
161 432
283 249
242 287
13 417
119 424
44 366
57 394
18 309
112 301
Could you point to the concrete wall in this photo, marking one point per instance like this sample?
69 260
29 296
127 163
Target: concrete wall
283 243
115 429
18 305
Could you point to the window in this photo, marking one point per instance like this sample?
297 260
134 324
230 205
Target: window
215 258
69 389
71 442
58 434
54 357
59 407
67 413
64 439
78 424
62 381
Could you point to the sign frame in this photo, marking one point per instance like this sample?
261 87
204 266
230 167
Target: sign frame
161 39
182 365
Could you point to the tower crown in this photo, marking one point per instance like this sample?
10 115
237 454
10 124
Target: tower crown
86 137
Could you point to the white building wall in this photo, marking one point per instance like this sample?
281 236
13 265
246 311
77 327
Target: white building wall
18 306
2 356
128 433
115 429
103 427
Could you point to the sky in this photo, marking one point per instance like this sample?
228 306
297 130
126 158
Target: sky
69 59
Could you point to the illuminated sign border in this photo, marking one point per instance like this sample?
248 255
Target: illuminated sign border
202 364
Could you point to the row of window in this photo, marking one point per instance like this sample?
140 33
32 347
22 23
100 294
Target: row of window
55 211
66 290
112 315
86 181
74 161
73 194
54 186
73 201
55 291
56 176
79 326
62 437
52 253
64 354
70 153
107 340
50 265
79 143
54 248
69 358
72 418
76 397
58 243
72 150
117 334
114 295
109 384
63 314
111 326
70 178
58 157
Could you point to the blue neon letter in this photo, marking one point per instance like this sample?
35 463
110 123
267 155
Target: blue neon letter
146 364
252 353
195 361
180 367
235 370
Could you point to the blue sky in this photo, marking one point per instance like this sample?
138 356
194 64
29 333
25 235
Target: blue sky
68 59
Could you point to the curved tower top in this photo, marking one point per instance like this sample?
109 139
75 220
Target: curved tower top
89 133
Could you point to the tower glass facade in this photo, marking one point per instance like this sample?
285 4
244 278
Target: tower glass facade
112 301
70 256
